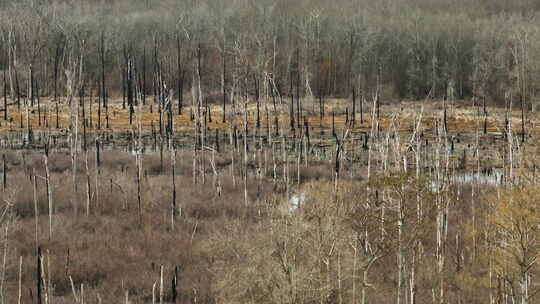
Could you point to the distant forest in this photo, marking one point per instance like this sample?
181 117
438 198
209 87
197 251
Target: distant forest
460 49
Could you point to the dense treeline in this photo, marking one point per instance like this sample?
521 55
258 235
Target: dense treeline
457 49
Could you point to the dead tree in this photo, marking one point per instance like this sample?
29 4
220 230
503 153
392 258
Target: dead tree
38 101
522 118
4 172
130 86
353 117
38 276
143 85
291 114
485 113
256 84
298 106
181 73
57 57
173 202
224 75
103 102
5 98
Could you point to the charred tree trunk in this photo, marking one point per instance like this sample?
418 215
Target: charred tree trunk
4 172
180 75
291 114
5 98
173 203
38 276
174 285
485 114
522 118
38 102
224 58
81 97
306 127
256 83
98 155
17 87
31 85
353 117
55 70
298 106
143 86
362 108
445 118
334 124
129 88
103 89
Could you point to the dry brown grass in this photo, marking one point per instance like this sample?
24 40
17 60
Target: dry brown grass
117 249
461 119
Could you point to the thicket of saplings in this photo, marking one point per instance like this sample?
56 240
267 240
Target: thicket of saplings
266 162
